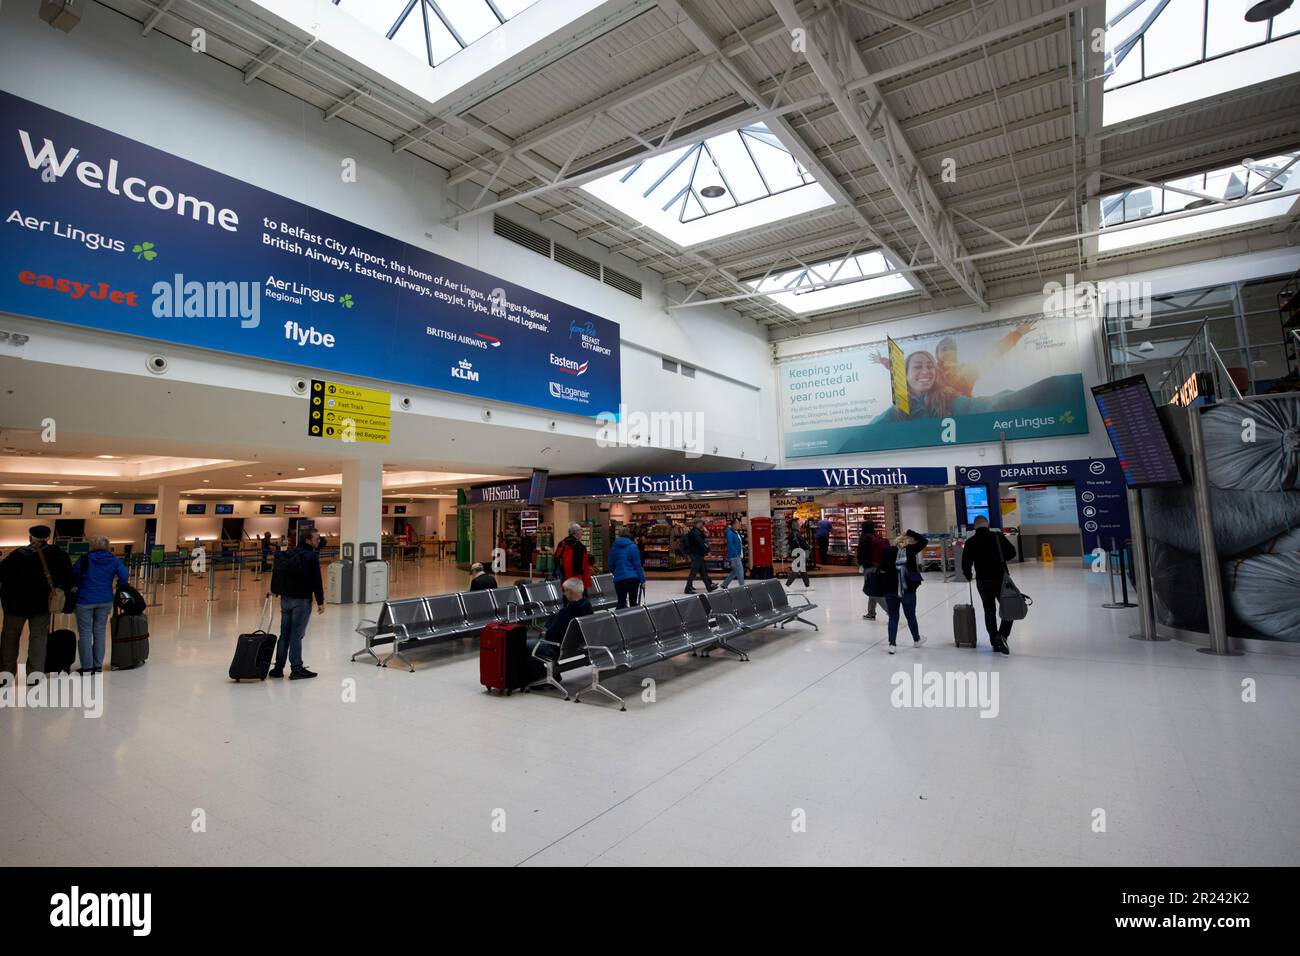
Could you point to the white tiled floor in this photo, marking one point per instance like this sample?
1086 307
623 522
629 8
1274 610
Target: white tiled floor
413 771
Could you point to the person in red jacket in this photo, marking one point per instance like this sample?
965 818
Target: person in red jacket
572 559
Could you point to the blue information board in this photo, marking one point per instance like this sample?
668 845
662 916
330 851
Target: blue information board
104 232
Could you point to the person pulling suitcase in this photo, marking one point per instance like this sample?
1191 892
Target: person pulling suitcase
984 557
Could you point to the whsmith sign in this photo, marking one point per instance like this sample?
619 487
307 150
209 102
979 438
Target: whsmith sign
610 486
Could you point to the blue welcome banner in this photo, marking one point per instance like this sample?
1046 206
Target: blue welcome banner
104 232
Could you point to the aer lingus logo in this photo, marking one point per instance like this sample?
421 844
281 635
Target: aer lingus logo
345 300
145 251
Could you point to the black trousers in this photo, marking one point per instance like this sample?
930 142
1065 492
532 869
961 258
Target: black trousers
628 592
823 545
988 589
698 568
795 574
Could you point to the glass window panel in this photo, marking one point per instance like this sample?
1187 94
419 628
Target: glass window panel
471 18
1287 21
444 44
1230 30
1174 39
410 35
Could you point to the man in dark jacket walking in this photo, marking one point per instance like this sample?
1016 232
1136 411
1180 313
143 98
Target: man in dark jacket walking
697 549
870 548
26 576
987 553
301 582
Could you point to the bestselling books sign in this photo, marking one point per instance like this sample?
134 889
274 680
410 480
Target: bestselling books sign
104 232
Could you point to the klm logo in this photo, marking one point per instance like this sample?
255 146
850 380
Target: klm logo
464 370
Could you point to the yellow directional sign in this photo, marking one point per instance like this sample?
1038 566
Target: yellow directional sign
898 376
348 413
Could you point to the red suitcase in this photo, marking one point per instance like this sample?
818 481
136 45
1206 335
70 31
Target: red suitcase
503 657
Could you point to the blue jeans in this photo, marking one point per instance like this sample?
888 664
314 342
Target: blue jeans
908 603
295 613
737 571
92 619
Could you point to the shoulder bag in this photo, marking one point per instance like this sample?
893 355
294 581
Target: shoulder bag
58 597
1012 602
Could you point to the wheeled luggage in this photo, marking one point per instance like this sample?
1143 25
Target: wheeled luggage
503 659
963 623
60 651
130 640
254 651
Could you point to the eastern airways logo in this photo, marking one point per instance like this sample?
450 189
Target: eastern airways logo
568 365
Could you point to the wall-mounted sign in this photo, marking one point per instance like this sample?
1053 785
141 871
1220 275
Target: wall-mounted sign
223 509
8 508
1013 380
329 509
677 507
383 509
348 412
399 509
196 508
144 508
266 509
293 509
49 508
176 252
110 508
1197 390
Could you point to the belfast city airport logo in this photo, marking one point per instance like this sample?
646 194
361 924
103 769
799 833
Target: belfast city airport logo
585 333
568 365
568 393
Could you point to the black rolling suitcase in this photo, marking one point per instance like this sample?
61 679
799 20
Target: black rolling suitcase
253 652
130 639
963 622
60 650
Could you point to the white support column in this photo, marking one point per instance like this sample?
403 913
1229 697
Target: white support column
363 494
169 506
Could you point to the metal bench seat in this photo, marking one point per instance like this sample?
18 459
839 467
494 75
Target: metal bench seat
542 595
780 599
602 594
640 644
701 633
669 629
723 616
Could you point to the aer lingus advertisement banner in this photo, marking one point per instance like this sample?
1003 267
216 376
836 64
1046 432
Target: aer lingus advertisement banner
104 232
1015 379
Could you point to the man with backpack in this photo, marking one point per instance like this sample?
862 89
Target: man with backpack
295 577
870 548
32 580
572 559
987 553
696 547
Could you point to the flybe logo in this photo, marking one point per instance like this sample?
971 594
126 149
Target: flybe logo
840 477
568 365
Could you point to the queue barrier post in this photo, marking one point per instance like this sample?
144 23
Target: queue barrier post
212 580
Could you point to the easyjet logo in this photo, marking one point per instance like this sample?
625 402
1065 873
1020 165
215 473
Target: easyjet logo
99 291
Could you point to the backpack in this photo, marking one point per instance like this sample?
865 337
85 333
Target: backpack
287 574
128 600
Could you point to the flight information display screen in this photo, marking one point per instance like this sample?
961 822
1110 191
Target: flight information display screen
1134 429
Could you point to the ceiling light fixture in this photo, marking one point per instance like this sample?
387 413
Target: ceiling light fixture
713 192
1266 10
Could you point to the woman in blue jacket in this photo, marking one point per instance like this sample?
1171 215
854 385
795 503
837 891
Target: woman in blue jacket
93 575
625 565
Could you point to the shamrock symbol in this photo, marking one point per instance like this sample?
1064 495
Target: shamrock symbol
1067 417
144 250
346 300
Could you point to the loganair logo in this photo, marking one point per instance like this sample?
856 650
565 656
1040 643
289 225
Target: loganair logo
464 369
568 365
491 340
570 394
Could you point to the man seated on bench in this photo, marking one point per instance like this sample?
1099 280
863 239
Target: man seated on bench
575 605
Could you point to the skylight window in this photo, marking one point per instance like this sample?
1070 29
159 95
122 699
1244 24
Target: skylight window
1251 180
1161 53
833 284
433 30
726 184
